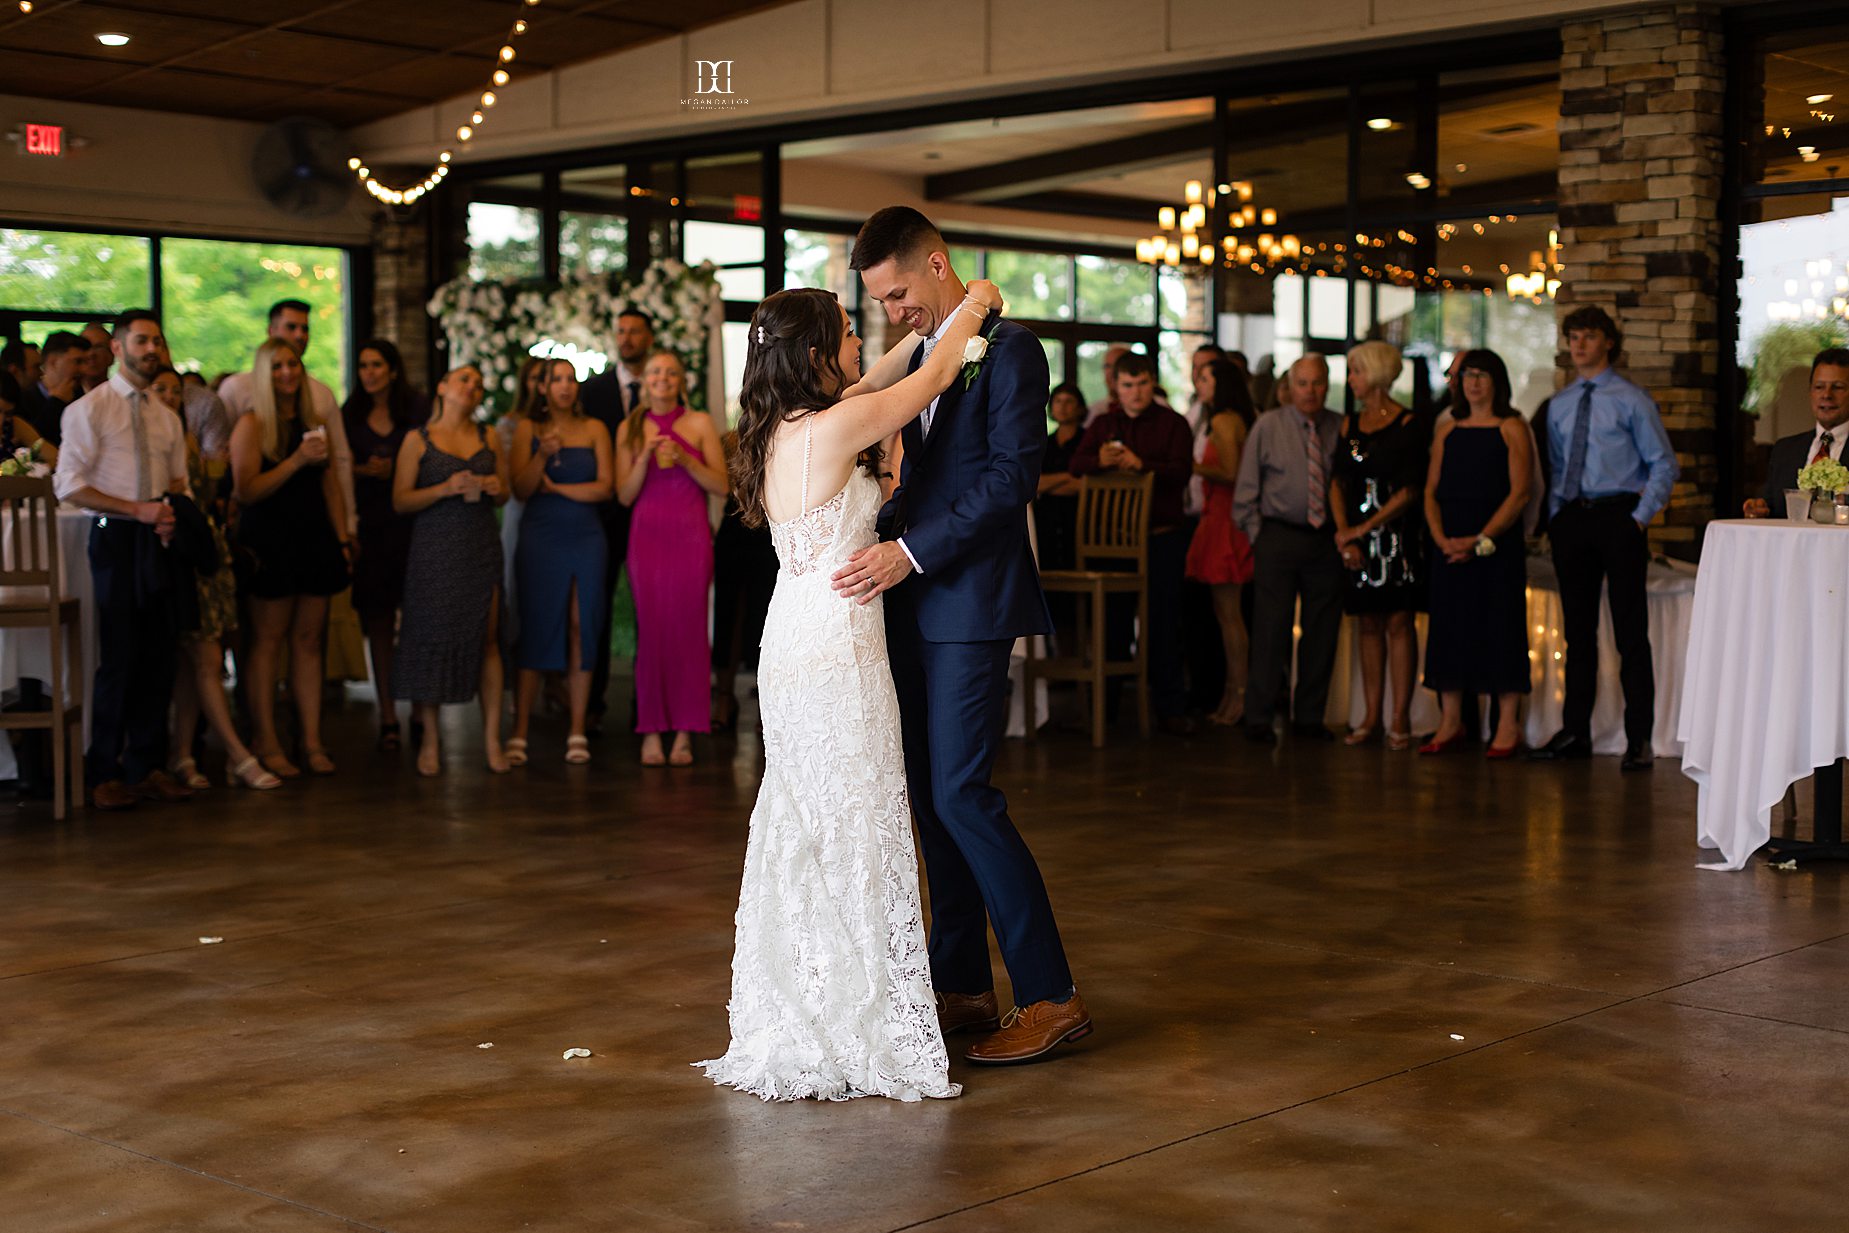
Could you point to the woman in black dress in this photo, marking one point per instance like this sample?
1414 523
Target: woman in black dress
291 555
1374 493
381 409
451 475
1056 505
1475 492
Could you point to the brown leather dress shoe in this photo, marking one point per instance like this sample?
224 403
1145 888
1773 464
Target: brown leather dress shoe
113 794
968 1012
1029 1032
160 786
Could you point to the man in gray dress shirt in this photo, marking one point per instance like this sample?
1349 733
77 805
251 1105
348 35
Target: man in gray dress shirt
1281 502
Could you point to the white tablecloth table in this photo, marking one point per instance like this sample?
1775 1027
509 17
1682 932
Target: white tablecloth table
26 653
1670 594
1765 697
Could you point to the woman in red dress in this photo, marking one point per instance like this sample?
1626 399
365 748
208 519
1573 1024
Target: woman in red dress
1220 555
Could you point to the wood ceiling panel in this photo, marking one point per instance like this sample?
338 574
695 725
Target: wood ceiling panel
346 61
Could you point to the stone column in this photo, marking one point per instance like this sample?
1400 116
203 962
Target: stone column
401 275
1640 187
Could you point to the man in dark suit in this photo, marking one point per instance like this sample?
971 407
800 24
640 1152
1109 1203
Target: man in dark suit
959 521
1829 404
63 358
610 396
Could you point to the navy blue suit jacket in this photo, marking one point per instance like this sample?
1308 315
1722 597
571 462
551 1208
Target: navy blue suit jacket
962 501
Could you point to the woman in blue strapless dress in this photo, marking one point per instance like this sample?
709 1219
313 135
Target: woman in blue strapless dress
562 471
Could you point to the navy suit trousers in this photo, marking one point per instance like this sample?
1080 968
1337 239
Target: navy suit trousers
953 707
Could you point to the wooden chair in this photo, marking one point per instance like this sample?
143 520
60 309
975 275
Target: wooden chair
31 598
1113 531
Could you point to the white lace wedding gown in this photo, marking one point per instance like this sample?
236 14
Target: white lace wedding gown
831 985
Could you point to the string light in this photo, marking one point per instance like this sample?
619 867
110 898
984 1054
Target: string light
410 193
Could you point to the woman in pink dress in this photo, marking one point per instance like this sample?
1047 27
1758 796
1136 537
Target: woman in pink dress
669 460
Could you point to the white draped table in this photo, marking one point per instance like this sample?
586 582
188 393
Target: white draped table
1765 696
1669 594
26 653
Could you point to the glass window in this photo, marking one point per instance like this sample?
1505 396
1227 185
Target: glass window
1791 138
1175 366
610 183
1328 307
1498 139
503 242
1183 298
1287 154
966 261
592 243
1794 301
733 183
1112 290
1037 286
73 271
819 259
216 296
723 243
745 284
1055 360
734 337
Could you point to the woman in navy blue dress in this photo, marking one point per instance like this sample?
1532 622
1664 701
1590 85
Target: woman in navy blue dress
562 471
1475 493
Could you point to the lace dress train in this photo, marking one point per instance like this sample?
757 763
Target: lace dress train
831 985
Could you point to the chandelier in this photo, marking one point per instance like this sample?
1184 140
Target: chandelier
1184 237
1542 281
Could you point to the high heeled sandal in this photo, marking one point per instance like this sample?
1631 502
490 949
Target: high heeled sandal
279 766
186 770
1360 736
577 750
1399 742
515 751
250 774
391 737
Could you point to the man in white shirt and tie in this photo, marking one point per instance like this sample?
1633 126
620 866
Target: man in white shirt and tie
124 452
289 323
1829 406
610 396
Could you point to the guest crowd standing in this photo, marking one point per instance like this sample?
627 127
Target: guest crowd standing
668 459
1475 491
451 475
293 547
378 413
561 469
1281 502
1610 468
1375 493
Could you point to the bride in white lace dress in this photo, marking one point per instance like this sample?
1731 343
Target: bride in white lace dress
831 983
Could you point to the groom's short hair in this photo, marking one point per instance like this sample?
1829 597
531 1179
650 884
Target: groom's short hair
896 231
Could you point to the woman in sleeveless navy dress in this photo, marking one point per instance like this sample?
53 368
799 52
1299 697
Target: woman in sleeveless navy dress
1477 488
451 476
562 471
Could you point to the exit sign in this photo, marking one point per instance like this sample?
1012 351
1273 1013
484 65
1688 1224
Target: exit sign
45 139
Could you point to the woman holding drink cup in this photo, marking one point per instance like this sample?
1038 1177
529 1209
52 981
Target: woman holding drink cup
562 471
668 460
292 551
451 476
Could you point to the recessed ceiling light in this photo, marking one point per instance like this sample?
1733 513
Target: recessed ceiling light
1380 124
1418 179
113 40
1814 99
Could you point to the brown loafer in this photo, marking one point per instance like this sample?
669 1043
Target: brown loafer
160 786
1029 1032
968 1012
113 794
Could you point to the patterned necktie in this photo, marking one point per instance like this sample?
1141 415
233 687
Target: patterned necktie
1823 447
930 345
1576 452
1319 479
140 428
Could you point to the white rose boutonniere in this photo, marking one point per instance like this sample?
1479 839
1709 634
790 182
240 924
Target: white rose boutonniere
974 352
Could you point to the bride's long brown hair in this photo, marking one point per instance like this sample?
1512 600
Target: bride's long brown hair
783 385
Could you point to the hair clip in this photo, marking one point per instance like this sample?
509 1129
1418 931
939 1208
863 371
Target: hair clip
760 336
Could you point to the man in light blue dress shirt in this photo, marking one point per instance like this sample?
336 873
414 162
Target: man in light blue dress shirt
1610 467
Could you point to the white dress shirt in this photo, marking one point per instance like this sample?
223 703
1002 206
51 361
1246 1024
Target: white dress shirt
99 445
238 394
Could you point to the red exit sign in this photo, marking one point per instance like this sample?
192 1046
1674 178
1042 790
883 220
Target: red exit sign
45 139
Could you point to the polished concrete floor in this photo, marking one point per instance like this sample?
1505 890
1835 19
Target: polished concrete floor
1334 989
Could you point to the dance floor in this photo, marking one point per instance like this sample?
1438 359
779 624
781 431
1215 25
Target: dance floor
1333 989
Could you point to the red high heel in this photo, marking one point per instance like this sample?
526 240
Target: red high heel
1436 746
1496 755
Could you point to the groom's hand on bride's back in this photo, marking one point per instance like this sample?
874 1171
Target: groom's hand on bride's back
873 570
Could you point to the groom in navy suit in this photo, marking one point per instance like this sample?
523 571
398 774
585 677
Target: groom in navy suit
959 524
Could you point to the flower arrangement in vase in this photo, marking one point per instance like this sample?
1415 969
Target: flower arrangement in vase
1823 479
